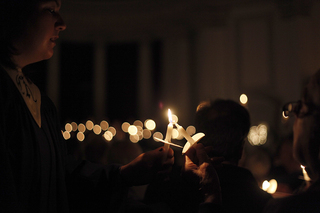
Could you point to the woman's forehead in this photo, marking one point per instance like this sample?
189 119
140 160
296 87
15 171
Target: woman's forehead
58 2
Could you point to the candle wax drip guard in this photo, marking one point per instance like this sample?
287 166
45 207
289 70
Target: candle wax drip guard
195 138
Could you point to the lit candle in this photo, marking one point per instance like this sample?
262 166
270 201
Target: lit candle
305 174
183 132
168 134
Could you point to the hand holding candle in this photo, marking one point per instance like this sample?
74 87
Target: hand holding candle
190 140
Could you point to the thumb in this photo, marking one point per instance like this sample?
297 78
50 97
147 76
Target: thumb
189 165
155 157
201 154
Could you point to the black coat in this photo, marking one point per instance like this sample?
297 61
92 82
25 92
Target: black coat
36 174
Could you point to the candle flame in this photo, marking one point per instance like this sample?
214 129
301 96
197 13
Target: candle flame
169 115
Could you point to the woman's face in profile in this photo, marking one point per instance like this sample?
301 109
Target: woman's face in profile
41 34
304 125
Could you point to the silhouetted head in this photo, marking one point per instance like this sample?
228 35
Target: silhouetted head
225 124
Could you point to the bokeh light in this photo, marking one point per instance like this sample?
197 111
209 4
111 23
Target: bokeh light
80 136
265 185
81 127
150 124
270 186
112 130
175 134
74 126
104 125
138 123
146 134
132 130
66 135
158 135
258 135
68 127
125 126
175 118
89 125
97 129
140 129
191 130
243 98
134 138
108 135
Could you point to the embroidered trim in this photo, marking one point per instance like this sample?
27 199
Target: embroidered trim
24 87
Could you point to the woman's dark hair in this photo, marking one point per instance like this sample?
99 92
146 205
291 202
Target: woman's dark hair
14 18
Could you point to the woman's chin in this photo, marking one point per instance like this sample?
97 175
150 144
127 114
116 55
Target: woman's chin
48 55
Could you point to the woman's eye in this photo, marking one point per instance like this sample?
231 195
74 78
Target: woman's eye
52 11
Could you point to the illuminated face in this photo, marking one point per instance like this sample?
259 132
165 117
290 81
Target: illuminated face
42 33
303 128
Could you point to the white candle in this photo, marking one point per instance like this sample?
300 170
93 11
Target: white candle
183 132
166 142
169 132
168 135
305 174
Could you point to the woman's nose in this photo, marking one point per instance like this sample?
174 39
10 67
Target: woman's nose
61 25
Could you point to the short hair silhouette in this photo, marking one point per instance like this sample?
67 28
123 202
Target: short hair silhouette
226 124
